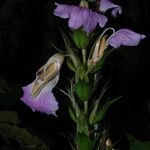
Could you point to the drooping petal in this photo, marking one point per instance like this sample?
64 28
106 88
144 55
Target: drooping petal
38 95
80 17
62 10
45 101
102 20
125 37
106 5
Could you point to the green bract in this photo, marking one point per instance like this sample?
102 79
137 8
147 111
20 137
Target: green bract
80 38
83 90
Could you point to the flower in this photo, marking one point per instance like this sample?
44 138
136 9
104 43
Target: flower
38 95
80 17
106 5
125 37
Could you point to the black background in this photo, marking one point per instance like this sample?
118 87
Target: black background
26 27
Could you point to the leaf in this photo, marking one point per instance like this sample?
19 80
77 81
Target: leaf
9 117
136 144
71 65
22 136
72 114
101 113
71 52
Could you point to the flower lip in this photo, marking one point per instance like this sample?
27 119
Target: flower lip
106 5
45 102
38 95
80 17
125 37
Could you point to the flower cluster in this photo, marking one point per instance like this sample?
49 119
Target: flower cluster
38 95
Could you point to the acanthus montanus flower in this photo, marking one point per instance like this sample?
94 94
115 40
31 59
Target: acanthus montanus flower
38 95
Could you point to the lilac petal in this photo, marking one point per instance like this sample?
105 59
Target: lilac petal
80 17
102 20
91 21
76 18
62 10
125 37
44 102
106 5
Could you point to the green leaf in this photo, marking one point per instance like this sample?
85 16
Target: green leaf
82 142
99 115
72 114
136 144
71 52
71 65
83 90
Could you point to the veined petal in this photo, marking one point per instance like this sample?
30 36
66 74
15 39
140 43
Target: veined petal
102 20
76 17
80 17
44 102
62 10
125 37
38 95
90 21
106 5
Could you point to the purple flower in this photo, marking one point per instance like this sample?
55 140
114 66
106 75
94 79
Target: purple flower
38 95
106 5
44 102
80 17
125 37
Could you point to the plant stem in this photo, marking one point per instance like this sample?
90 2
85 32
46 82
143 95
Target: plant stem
85 107
84 56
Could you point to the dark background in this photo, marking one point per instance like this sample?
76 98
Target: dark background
26 27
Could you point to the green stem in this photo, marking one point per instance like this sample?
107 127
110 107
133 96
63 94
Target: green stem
85 107
84 56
